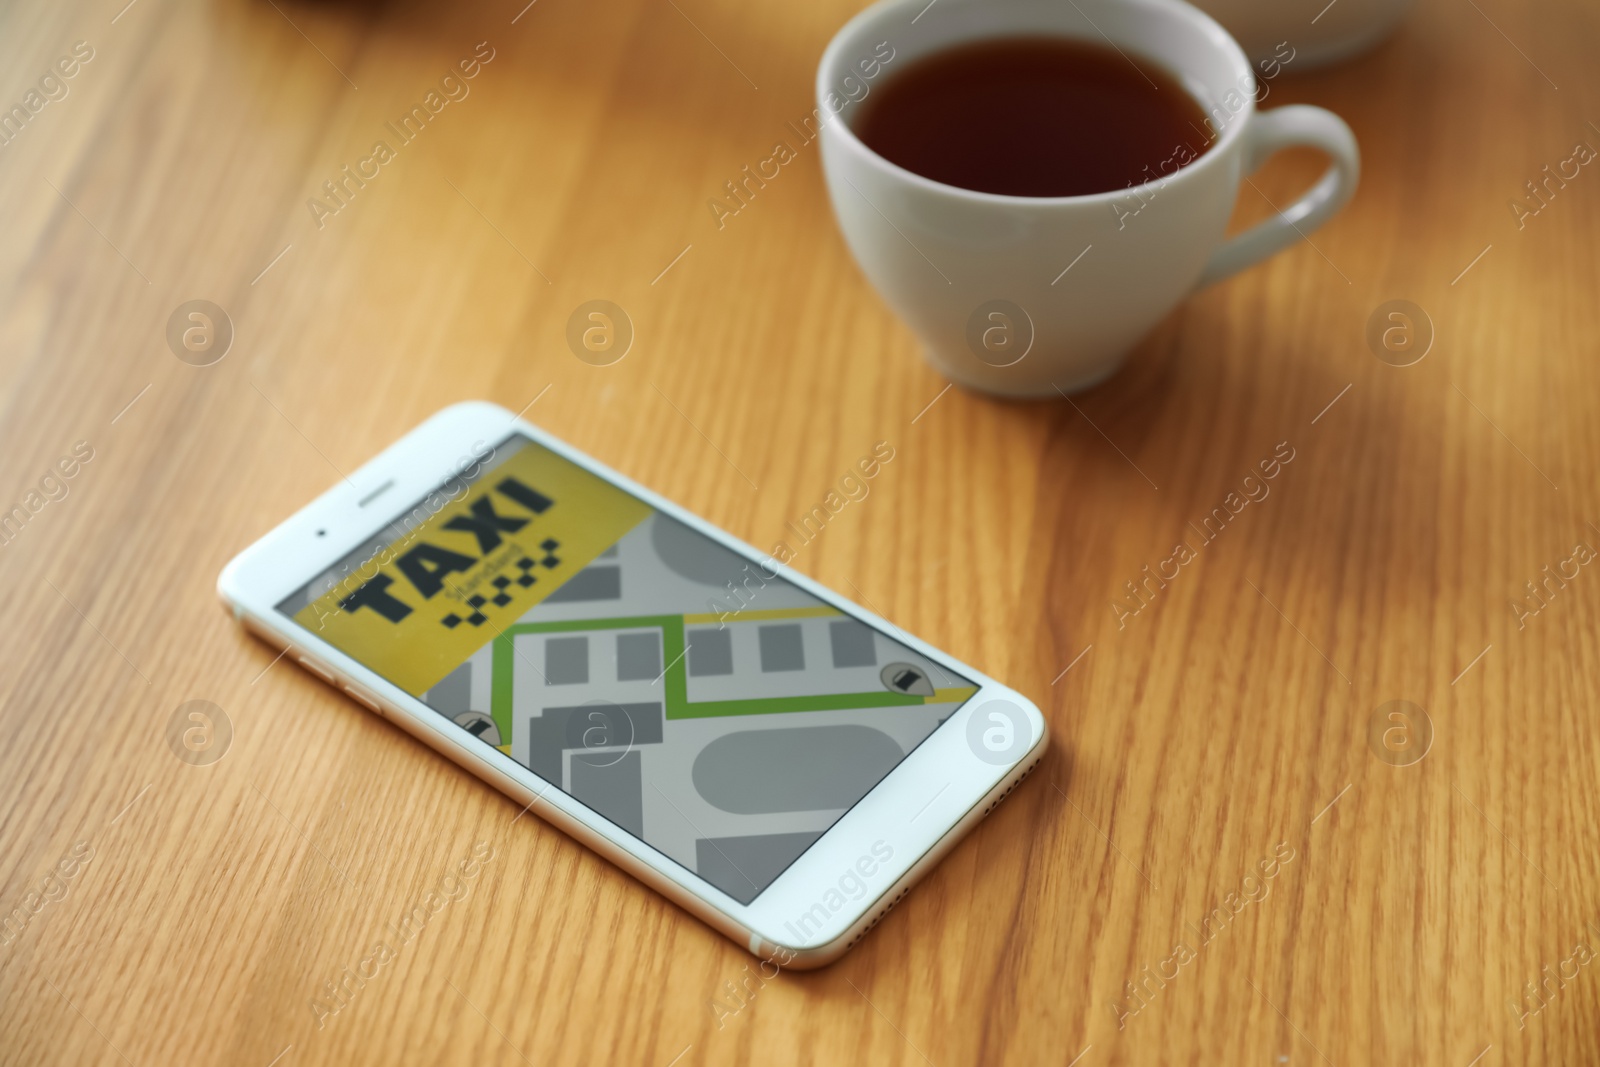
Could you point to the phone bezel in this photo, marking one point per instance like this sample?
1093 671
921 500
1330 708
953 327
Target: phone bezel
914 810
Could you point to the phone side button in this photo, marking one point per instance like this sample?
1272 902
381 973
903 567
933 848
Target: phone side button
326 676
362 698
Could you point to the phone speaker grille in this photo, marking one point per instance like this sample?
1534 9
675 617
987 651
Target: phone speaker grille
1025 772
886 909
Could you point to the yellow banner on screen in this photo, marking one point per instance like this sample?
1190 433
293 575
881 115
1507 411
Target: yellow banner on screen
421 606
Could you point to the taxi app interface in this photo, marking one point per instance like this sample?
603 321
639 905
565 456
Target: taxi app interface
690 696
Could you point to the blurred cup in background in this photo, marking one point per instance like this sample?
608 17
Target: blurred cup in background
1320 32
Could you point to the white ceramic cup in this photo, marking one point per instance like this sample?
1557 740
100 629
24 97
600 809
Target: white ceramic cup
1027 296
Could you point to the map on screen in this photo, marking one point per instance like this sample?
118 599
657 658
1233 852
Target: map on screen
691 696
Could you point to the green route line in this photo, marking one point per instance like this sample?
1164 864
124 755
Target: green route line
678 705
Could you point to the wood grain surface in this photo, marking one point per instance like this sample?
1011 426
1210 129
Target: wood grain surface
1222 864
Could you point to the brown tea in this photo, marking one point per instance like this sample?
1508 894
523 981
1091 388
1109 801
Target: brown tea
1034 116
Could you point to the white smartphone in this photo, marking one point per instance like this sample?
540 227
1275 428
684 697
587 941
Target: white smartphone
772 757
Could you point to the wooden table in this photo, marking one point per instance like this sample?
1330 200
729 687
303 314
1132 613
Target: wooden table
1221 732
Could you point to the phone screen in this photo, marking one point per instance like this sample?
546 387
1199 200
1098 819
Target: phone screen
690 696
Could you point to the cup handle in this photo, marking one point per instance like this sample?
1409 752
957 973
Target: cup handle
1283 127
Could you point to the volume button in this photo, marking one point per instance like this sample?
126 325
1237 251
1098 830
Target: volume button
325 675
361 697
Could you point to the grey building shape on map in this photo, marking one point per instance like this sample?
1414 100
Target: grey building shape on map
782 648
639 657
614 789
710 652
591 583
692 555
452 694
586 727
853 645
793 768
566 660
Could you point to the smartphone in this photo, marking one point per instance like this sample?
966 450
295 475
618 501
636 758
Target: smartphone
772 757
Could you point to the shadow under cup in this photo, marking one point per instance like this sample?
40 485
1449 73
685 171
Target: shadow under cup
1030 296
